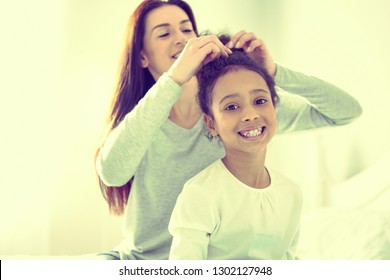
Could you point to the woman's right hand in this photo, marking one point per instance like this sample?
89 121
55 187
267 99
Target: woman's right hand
197 52
255 48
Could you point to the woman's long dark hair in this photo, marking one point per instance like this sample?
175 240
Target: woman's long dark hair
133 83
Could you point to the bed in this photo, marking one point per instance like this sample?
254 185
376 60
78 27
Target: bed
356 224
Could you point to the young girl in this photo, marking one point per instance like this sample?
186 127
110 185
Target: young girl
237 208
155 142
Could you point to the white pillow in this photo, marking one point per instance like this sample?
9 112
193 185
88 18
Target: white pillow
369 188
345 234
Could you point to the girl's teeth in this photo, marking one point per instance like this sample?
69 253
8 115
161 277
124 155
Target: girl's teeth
253 133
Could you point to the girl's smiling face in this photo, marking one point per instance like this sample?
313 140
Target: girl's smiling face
167 30
244 116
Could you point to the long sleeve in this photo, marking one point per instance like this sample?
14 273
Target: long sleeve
126 145
307 102
192 221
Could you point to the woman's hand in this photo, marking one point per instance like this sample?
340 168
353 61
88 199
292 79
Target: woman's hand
197 52
255 48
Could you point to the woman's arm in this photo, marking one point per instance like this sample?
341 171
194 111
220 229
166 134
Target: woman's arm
307 102
127 143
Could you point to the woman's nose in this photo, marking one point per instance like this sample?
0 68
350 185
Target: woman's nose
180 38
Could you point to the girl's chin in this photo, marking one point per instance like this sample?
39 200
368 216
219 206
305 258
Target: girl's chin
247 150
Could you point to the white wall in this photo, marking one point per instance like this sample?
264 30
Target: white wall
28 78
58 60
58 63
345 42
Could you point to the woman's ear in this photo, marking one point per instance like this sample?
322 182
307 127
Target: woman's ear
210 125
144 60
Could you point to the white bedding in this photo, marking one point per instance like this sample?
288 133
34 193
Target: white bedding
355 227
61 257
357 224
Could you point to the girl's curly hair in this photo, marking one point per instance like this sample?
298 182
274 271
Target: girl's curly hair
208 75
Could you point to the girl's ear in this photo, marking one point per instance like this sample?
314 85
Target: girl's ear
210 125
144 60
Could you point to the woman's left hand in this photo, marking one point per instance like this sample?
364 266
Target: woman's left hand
255 48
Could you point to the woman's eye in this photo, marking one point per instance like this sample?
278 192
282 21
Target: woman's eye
163 35
260 101
231 107
187 30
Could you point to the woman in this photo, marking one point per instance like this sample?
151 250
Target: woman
155 139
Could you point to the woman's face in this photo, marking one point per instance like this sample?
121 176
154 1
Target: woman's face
167 29
244 116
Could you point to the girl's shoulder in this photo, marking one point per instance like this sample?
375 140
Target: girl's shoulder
207 173
206 179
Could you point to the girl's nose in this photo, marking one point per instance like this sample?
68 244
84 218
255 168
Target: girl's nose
250 114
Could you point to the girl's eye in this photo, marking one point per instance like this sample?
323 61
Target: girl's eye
187 30
260 101
231 107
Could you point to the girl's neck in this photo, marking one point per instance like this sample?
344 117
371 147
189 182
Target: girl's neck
248 168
